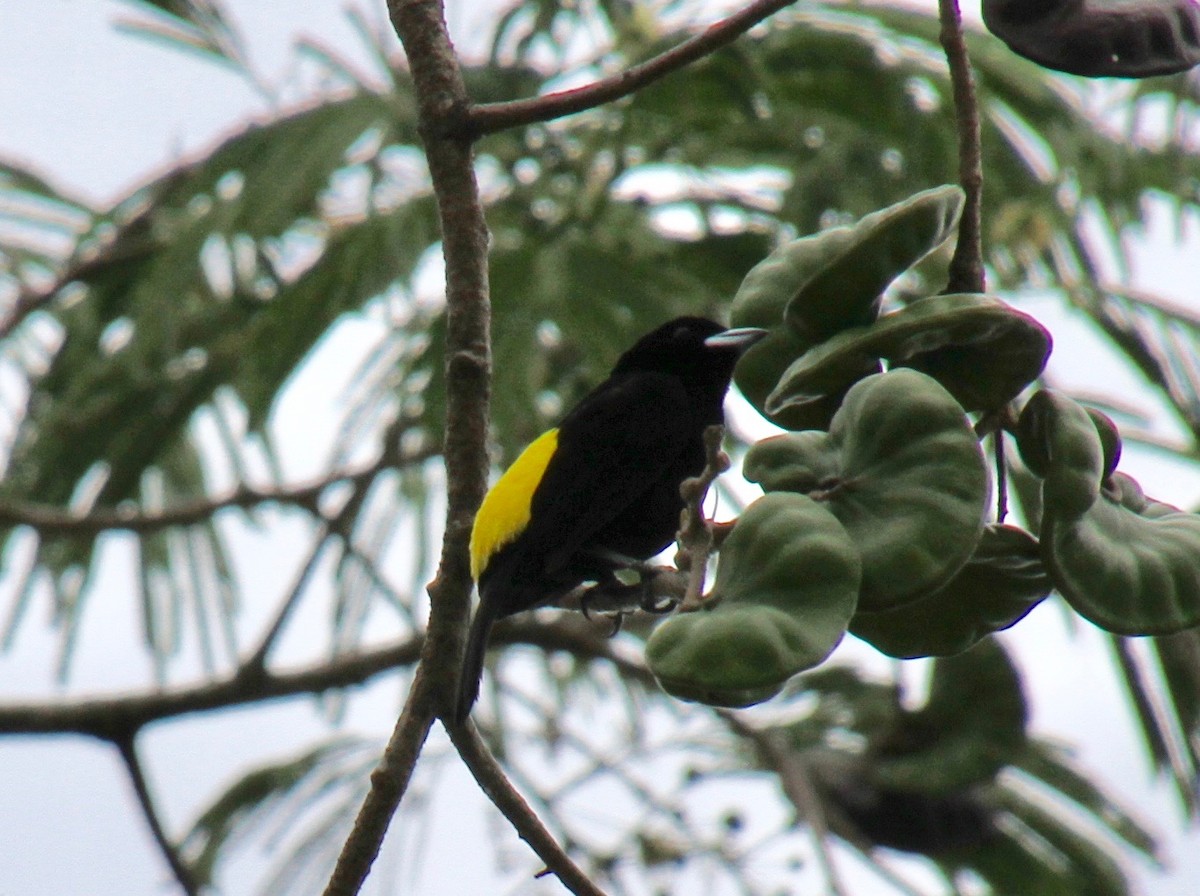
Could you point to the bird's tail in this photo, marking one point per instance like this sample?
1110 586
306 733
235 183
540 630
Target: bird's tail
472 670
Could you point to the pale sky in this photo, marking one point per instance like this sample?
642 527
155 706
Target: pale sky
96 111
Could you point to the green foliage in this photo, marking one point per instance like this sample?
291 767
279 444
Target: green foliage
328 777
971 727
204 290
901 469
196 25
959 779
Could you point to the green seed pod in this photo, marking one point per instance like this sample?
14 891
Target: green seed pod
1000 584
902 470
983 351
1059 442
1129 564
814 287
785 589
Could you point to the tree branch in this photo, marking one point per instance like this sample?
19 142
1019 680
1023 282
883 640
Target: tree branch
442 105
256 664
26 302
338 526
51 520
112 718
491 117
966 267
505 797
389 781
127 747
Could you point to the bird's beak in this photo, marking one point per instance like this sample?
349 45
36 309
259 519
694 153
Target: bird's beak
740 338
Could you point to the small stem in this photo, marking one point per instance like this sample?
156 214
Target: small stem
1001 475
966 267
695 535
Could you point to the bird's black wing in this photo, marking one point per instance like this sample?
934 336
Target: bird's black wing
613 448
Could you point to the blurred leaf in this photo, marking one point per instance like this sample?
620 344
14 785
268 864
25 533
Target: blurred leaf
197 25
1052 768
359 262
291 786
128 376
971 726
1079 862
1179 661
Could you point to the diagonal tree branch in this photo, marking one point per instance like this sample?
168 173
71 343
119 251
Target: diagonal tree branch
491 117
492 780
127 747
795 779
339 526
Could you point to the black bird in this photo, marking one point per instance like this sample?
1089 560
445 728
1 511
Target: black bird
602 490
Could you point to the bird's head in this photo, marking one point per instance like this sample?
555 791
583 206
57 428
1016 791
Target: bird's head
689 347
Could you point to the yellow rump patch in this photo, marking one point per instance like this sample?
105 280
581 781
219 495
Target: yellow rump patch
506 508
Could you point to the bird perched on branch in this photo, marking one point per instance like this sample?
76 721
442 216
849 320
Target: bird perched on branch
600 492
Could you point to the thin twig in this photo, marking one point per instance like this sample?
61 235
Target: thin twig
27 302
796 781
492 780
1001 475
966 267
995 424
133 766
491 117
338 526
695 535
255 665
880 869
